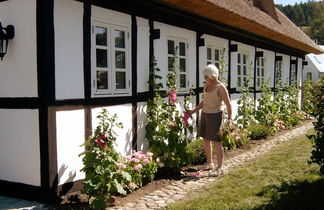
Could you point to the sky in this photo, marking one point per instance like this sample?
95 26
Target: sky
291 2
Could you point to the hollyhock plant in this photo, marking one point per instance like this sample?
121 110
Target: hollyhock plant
173 96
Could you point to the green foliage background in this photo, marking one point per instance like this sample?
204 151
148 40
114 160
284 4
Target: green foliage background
309 16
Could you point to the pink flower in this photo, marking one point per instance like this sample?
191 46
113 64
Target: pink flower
138 167
173 96
121 165
186 118
146 161
135 160
157 160
198 174
132 185
149 154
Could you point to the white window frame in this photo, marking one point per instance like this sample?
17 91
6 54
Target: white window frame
241 77
260 71
177 41
111 64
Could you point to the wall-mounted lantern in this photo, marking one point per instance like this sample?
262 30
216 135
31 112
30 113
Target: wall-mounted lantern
6 33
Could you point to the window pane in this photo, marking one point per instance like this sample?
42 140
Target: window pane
238 58
258 82
182 80
244 81
209 54
216 55
239 82
102 80
101 36
101 56
182 64
258 71
120 59
262 72
244 70
182 47
262 61
170 47
258 61
120 80
171 61
208 62
119 39
239 70
217 65
244 59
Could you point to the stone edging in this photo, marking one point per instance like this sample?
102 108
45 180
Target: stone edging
179 189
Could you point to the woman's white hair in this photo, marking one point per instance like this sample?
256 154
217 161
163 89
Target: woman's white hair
211 71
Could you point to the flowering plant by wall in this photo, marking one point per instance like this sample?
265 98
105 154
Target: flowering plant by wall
103 177
141 166
167 124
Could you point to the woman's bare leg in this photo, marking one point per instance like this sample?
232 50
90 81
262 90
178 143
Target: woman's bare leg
219 153
208 152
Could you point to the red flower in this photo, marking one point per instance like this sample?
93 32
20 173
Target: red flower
101 140
173 96
186 117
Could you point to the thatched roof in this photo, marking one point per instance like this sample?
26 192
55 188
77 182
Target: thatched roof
259 17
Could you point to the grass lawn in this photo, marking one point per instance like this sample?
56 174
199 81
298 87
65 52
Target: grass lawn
280 179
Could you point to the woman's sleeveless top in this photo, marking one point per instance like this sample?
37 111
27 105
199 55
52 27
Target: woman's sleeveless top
212 102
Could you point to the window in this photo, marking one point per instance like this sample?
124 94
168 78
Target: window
177 55
110 66
214 56
242 74
293 74
259 72
278 73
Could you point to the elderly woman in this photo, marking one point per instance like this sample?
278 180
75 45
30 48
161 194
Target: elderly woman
215 95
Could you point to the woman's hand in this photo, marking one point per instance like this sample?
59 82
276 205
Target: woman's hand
230 122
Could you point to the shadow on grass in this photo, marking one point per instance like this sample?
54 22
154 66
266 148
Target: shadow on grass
295 195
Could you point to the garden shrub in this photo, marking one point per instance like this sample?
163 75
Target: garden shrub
141 166
317 155
234 137
196 151
307 98
259 131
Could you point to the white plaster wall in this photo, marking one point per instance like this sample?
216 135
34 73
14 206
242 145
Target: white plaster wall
19 146
69 82
142 144
70 135
161 50
215 42
143 59
246 49
18 69
124 138
234 99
